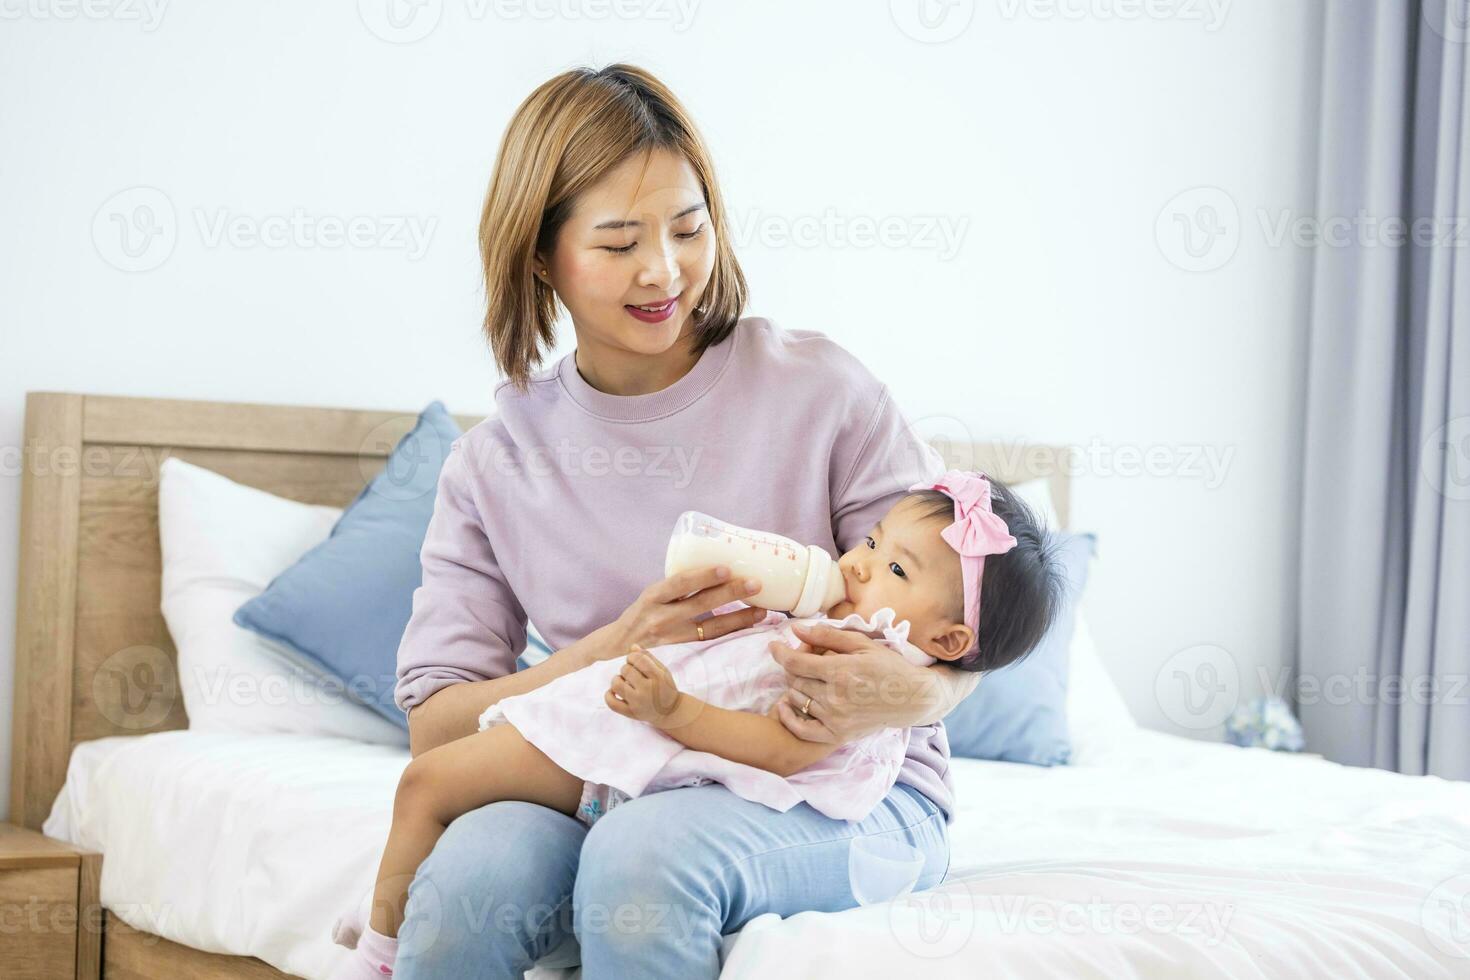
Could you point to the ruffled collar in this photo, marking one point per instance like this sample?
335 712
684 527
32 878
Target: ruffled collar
885 625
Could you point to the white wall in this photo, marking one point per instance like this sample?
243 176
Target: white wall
1052 135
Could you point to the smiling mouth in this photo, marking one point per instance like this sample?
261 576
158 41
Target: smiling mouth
659 308
653 313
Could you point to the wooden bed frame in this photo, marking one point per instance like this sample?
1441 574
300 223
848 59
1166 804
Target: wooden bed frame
88 605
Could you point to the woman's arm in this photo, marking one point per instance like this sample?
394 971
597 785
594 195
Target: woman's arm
645 690
457 654
467 623
453 712
663 613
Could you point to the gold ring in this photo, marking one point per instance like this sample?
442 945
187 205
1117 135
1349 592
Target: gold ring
807 708
700 630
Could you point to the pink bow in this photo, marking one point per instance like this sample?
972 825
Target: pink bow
976 532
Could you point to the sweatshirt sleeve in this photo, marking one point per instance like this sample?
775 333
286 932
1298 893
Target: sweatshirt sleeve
885 459
466 624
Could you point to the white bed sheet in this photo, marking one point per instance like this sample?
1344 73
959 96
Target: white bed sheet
1152 856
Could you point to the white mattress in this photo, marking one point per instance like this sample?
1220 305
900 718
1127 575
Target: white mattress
1153 856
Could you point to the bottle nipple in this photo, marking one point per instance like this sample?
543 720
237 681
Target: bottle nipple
823 587
836 589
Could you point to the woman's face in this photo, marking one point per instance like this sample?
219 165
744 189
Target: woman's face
641 237
904 564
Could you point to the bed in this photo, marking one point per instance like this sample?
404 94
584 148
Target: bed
1151 855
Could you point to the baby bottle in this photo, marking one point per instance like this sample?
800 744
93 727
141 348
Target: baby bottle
800 579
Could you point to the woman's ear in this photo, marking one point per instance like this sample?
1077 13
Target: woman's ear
952 643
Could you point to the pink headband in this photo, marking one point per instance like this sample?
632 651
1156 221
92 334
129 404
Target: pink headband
975 533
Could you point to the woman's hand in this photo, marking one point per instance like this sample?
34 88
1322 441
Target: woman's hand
856 686
665 611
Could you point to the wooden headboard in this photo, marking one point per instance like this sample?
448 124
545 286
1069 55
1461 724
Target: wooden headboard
93 656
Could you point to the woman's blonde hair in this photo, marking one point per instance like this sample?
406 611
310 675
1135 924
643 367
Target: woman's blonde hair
564 138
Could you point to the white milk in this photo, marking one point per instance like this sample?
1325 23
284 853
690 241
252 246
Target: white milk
800 579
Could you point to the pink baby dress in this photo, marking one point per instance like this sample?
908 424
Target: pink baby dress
568 720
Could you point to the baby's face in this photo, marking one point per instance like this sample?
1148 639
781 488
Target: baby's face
904 564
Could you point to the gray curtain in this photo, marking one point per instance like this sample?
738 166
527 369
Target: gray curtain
1384 625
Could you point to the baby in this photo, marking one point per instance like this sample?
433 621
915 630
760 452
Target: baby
689 713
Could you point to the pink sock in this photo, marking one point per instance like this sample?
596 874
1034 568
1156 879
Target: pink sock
379 950
372 959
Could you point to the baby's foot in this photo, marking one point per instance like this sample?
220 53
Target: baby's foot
350 924
371 959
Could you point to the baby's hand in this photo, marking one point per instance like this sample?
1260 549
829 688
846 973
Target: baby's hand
645 690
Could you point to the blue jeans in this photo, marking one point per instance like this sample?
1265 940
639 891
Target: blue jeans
649 890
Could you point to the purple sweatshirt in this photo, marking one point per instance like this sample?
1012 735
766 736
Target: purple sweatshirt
559 507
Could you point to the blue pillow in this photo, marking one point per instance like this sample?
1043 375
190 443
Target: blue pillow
537 649
343 607
1019 712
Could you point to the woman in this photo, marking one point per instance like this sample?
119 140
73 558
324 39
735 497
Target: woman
558 508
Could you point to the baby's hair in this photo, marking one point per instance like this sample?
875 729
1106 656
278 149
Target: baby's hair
1021 591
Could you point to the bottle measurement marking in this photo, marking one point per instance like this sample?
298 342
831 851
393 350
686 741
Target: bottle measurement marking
778 548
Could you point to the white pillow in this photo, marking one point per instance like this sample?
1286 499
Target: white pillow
222 544
1094 703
